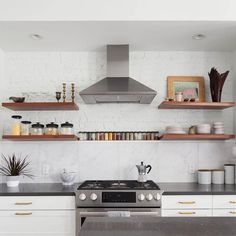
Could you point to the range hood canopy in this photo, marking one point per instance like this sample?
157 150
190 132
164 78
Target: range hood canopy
118 87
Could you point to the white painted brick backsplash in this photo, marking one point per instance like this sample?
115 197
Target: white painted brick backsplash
40 74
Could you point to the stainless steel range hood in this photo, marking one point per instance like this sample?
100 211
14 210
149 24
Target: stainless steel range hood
118 87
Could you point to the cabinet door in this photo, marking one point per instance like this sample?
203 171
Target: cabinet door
186 213
186 201
224 212
224 201
37 223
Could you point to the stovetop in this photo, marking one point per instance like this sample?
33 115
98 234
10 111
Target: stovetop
118 185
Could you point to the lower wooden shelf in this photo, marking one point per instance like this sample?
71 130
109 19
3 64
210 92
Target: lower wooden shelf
40 137
197 136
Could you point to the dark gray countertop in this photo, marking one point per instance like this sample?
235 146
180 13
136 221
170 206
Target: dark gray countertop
57 189
159 226
194 188
38 189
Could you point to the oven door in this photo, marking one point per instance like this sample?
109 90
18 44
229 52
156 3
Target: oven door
83 213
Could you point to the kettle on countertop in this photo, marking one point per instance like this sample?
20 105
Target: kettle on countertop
143 170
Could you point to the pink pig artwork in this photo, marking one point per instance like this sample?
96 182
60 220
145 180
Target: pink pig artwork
190 93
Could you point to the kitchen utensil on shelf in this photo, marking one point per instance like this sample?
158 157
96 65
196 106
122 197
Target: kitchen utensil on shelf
64 92
25 127
58 96
16 125
229 173
67 128
192 130
218 176
204 129
51 129
204 176
73 92
37 129
67 177
17 99
143 170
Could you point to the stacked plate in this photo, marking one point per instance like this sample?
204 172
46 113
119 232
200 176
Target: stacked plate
175 130
204 129
218 128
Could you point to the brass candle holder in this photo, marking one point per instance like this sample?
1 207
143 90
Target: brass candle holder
64 92
73 92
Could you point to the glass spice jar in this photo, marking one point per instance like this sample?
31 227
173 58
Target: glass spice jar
114 136
25 127
51 129
16 126
131 136
37 129
106 136
110 136
123 136
97 136
118 136
127 136
67 128
93 136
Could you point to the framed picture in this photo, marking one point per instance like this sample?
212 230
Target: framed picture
190 86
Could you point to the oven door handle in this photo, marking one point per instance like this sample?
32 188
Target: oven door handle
119 213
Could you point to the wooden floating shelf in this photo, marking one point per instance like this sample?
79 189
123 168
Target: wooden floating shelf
196 105
197 136
40 137
41 106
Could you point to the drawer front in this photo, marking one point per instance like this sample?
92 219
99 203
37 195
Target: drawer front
224 212
186 213
37 203
224 201
187 202
53 223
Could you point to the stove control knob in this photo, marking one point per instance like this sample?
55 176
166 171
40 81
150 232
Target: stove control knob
157 196
93 196
149 197
141 197
82 196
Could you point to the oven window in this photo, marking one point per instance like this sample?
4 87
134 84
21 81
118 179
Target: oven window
129 197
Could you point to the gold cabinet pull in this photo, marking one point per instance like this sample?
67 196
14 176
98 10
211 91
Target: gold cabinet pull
232 202
233 212
187 212
23 203
23 213
187 202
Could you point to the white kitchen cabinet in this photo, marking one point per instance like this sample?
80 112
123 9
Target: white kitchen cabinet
224 212
186 213
37 216
186 201
224 201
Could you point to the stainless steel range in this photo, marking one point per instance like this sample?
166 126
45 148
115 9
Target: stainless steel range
121 198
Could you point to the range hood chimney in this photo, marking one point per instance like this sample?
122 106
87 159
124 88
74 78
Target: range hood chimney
118 87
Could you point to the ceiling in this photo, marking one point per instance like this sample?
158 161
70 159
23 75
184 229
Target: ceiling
93 36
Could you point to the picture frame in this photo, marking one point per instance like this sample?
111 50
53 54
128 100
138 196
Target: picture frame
191 86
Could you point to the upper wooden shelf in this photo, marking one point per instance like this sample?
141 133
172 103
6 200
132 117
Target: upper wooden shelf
40 137
196 105
197 136
41 106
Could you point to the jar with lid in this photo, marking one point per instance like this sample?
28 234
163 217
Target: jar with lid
51 129
16 126
67 128
37 129
25 127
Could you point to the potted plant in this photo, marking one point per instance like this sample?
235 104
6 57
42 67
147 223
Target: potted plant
13 167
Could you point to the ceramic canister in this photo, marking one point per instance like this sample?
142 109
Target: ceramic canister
218 176
229 173
204 176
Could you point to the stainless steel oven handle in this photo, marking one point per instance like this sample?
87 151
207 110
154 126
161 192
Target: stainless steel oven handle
105 214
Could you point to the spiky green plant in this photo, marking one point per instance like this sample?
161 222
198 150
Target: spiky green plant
13 166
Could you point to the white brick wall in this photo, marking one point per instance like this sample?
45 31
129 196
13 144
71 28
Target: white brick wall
41 74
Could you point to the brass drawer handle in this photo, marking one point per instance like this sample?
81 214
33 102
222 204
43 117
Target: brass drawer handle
187 213
232 202
187 202
23 213
23 203
233 212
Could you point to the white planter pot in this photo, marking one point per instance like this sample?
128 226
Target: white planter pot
13 181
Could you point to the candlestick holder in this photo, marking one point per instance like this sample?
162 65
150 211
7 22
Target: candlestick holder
64 92
73 92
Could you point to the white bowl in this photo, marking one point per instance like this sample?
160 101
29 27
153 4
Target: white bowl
68 177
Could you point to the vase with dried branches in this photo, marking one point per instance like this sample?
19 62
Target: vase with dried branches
217 81
13 167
